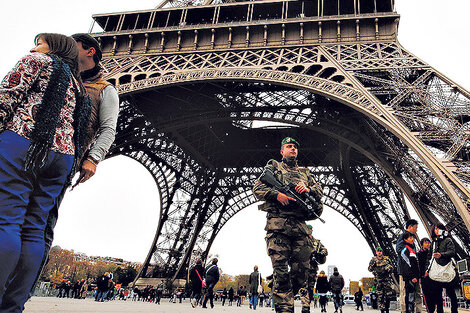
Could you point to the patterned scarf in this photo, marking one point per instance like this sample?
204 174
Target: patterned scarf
48 116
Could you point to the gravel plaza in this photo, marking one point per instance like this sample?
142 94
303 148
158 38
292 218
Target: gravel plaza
64 305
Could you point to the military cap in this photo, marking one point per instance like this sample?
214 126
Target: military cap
309 226
290 140
379 249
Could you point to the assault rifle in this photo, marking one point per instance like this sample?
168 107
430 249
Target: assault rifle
305 201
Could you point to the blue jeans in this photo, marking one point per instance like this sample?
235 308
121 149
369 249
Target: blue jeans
25 201
337 299
254 301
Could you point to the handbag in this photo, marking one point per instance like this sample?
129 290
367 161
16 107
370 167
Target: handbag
260 287
442 273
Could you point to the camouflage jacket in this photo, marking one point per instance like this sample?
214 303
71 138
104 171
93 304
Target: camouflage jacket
286 173
381 268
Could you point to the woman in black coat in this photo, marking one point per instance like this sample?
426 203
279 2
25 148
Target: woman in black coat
443 251
322 288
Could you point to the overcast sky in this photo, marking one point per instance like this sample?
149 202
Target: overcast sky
116 212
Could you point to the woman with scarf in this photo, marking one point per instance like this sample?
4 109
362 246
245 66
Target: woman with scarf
44 116
322 288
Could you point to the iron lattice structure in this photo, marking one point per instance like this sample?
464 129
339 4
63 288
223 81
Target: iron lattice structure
208 89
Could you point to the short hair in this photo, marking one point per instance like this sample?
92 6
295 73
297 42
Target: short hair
424 240
215 260
411 222
256 267
441 226
88 42
407 235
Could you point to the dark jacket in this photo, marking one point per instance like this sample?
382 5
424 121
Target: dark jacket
400 245
408 263
196 282
336 282
255 278
322 284
424 256
212 274
230 293
446 247
102 283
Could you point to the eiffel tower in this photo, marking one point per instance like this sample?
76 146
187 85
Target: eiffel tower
208 88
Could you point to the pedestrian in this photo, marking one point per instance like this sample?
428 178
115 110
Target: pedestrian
230 296
286 231
409 270
432 291
411 228
322 286
159 291
195 279
255 283
84 289
102 284
443 252
358 299
239 295
336 282
211 277
43 112
382 268
224 296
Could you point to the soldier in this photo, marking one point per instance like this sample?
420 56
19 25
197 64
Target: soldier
382 268
318 256
287 234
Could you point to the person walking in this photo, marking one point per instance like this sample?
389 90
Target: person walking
322 287
336 282
224 296
230 296
358 299
443 252
195 279
255 282
43 117
212 277
382 268
286 231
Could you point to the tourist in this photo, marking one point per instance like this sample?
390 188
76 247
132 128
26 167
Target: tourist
42 124
211 276
443 251
409 271
336 282
411 228
230 296
224 296
432 291
254 281
322 288
358 299
195 280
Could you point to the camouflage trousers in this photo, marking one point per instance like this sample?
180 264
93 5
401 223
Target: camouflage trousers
312 279
384 293
294 252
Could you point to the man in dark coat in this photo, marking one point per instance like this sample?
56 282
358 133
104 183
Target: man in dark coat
255 281
336 285
212 277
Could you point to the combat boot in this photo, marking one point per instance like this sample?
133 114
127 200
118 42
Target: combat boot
305 309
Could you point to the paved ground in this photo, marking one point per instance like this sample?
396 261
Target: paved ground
50 304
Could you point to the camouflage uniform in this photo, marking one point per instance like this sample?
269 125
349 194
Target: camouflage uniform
318 256
382 270
287 235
